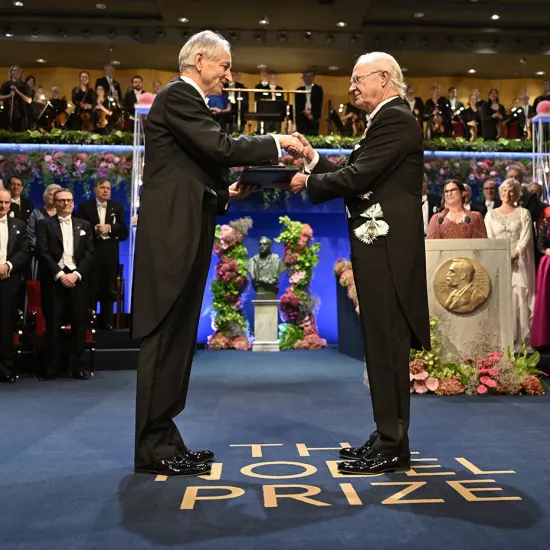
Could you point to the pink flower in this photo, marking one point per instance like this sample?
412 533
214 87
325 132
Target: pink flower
297 277
432 383
298 163
420 386
489 382
481 390
146 98
422 375
48 158
543 108
307 231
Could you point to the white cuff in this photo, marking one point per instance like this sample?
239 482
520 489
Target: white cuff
58 275
308 167
307 177
78 275
276 138
10 267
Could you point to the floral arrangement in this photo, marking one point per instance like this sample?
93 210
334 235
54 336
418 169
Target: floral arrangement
344 274
231 280
488 373
299 329
67 169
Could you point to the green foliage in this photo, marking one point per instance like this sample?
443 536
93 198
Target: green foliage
524 364
289 334
67 137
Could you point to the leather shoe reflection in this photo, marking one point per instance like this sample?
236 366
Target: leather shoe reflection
374 463
176 465
355 453
197 457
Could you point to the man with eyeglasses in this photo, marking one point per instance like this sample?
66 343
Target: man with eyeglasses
382 188
65 250
492 199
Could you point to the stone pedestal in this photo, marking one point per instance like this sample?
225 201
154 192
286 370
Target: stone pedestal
491 322
266 325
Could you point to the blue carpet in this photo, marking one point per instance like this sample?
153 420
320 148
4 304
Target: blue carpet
66 478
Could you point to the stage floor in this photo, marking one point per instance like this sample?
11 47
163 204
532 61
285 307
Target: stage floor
481 475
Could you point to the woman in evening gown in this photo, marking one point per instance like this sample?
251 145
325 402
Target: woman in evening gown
540 331
509 221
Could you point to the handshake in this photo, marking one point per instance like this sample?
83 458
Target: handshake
299 147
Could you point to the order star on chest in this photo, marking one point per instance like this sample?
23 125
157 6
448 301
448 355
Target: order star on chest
374 227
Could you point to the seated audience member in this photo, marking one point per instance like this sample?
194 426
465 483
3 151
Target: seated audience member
65 250
492 200
540 330
15 187
455 221
38 214
14 258
468 204
513 223
15 211
109 229
431 204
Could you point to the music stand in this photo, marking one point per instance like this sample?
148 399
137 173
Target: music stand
262 118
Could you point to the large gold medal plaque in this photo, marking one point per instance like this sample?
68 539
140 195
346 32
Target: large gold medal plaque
461 285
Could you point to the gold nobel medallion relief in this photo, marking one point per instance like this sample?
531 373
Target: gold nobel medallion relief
461 285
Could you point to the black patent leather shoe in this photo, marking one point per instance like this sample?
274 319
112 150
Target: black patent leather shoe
377 464
175 466
8 378
81 375
197 457
355 453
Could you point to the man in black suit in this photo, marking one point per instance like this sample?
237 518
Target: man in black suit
468 204
545 96
437 114
382 188
187 160
416 105
107 219
309 106
110 85
492 198
15 210
65 250
15 256
133 94
431 204
15 187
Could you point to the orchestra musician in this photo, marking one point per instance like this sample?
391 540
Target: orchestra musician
109 84
133 94
103 109
59 105
416 105
84 99
492 117
457 107
471 116
15 96
437 114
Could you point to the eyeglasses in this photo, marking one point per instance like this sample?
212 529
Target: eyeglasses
450 191
64 201
356 78
491 188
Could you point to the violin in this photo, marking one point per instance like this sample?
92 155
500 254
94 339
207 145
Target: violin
437 123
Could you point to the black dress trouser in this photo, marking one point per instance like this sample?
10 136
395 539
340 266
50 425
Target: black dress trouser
8 307
387 340
166 356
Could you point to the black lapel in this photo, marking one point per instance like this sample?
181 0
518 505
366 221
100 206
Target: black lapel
56 225
109 214
94 215
12 236
77 227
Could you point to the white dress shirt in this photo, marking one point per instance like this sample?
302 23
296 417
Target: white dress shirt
102 213
17 201
489 205
4 237
411 104
67 260
308 97
425 212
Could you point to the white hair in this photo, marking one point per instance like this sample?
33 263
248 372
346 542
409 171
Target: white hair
52 186
386 62
209 43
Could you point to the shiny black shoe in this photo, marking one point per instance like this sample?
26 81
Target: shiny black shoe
81 375
356 453
8 378
196 457
377 464
175 466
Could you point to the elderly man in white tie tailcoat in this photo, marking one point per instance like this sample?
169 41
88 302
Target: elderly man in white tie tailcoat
382 189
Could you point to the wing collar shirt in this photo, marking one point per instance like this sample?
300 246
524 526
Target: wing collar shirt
102 214
67 260
4 236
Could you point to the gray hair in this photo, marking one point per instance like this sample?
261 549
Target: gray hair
52 186
386 62
206 42
4 190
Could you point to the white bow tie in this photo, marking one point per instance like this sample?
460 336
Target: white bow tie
66 220
99 205
4 220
